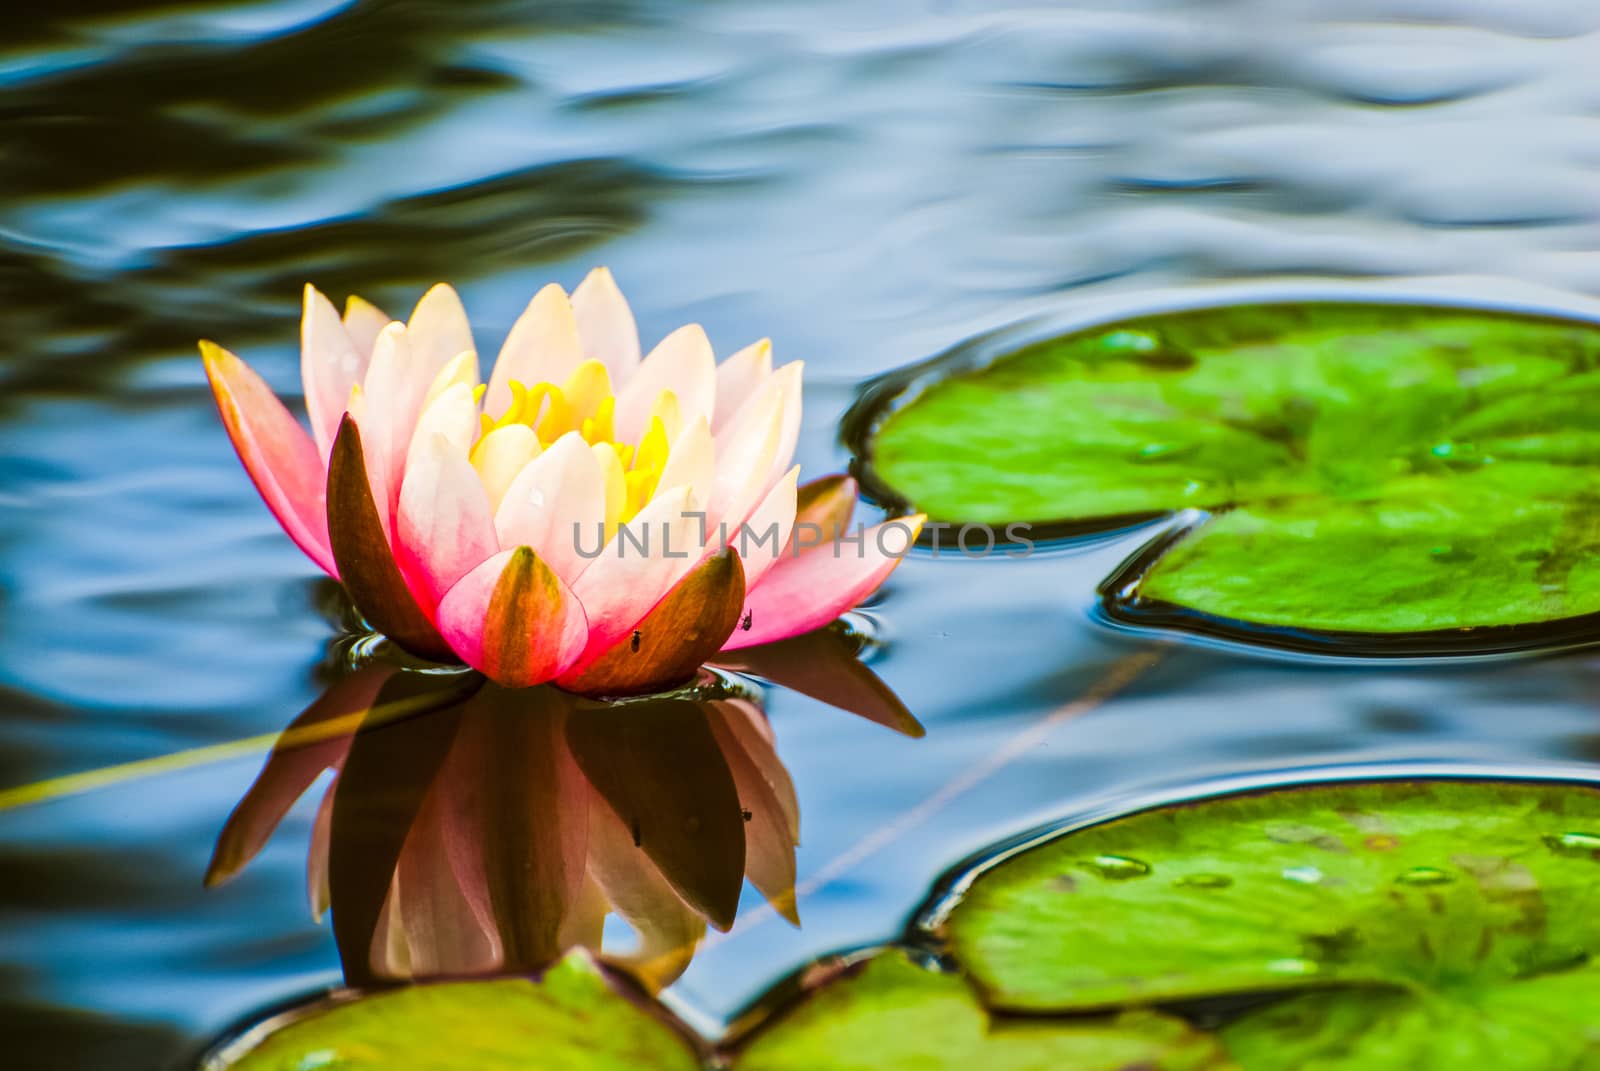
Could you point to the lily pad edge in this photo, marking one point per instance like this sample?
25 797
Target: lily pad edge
1118 603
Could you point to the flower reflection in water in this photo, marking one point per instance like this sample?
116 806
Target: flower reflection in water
474 829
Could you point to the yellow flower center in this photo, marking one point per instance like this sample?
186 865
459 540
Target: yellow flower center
586 404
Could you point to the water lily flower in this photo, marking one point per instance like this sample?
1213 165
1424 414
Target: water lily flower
588 516
524 817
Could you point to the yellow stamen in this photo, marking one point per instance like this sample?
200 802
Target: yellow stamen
587 387
585 404
601 427
557 419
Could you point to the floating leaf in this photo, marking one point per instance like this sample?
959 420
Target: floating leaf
1413 924
1362 476
571 1019
889 1013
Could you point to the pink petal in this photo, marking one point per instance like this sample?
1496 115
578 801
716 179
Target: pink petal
280 457
763 536
606 325
514 620
543 347
445 529
684 364
808 591
624 583
557 505
330 364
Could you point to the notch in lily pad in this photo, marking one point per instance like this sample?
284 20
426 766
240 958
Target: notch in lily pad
888 1011
1416 924
1334 477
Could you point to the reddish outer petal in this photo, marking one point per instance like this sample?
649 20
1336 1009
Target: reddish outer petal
277 453
688 626
825 664
827 502
514 620
770 836
365 561
803 593
444 528
298 758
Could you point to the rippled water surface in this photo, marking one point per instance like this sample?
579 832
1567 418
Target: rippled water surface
865 183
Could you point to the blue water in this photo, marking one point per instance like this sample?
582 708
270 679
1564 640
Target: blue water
865 183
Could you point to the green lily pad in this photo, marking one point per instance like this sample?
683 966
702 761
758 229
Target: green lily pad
570 1019
889 1013
1413 924
1347 473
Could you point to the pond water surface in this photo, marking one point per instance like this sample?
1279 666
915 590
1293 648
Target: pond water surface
865 183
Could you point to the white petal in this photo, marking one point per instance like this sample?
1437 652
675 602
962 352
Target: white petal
684 364
330 364
501 455
765 533
556 505
738 378
542 347
439 330
606 324
691 461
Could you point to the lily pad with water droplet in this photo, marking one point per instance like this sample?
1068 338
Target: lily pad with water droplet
1406 924
1361 477
890 1013
570 1019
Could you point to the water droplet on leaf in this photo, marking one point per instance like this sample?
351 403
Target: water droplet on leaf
1305 875
1292 966
1574 844
1117 867
1146 347
1425 875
